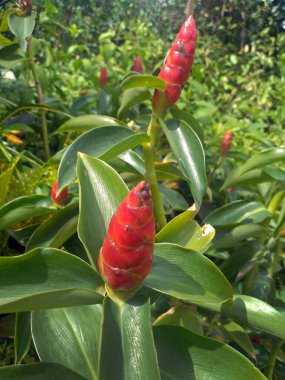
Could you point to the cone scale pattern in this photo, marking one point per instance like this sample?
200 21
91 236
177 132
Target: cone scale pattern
177 66
126 256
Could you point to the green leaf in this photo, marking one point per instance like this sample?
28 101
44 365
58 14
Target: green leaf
183 355
22 27
184 231
23 208
187 275
257 313
189 152
46 278
127 339
70 337
172 199
166 171
22 336
101 192
104 143
237 334
238 212
143 81
8 53
183 316
87 122
38 371
226 239
131 97
57 229
260 160
189 119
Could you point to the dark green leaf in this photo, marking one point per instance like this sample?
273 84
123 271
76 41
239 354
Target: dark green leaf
104 143
183 355
38 371
101 192
23 208
187 275
127 339
70 337
238 212
22 336
189 152
46 278
131 97
190 120
57 229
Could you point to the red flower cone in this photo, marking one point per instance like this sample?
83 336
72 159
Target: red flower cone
138 65
62 197
103 77
226 142
177 66
126 256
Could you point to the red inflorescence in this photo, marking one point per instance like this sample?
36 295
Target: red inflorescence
226 142
103 77
62 197
126 256
138 65
177 66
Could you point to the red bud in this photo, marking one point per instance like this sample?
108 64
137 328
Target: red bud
138 65
103 77
177 66
226 142
62 197
126 256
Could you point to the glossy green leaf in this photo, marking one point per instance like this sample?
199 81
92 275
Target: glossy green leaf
183 355
189 152
70 337
165 171
252 168
23 208
131 97
187 275
229 239
238 212
184 231
237 334
172 199
189 119
127 339
183 316
45 278
57 229
22 27
132 161
143 81
22 335
38 371
101 192
104 143
256 313
86 122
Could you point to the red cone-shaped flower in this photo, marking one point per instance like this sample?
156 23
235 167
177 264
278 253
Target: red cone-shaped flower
138 65
177 66
62 197
226 142
103 77
126 256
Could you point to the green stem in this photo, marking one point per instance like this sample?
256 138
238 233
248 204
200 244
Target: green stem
272 358
41 99
275 259
153 132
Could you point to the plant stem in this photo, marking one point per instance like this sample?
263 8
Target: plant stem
153 131
272 358
41 99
